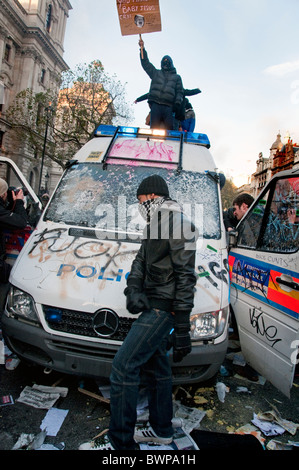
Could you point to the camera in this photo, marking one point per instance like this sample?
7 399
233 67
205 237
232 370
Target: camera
16 191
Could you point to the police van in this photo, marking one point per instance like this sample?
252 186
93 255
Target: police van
66 309
264 273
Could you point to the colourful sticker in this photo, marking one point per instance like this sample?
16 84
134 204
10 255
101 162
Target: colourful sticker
265 282
94 156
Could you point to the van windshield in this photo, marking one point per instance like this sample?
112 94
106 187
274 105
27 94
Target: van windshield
93 197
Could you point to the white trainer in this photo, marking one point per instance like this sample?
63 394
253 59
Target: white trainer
147 434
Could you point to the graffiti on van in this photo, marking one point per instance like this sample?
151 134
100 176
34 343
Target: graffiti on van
145 150
89 271
258 323
49 242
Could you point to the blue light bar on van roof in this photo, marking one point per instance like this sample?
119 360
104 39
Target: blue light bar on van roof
191 137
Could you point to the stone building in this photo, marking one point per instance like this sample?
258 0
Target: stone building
286 157
31 57
283 156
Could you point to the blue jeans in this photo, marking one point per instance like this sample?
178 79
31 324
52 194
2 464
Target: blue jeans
188 125
142 355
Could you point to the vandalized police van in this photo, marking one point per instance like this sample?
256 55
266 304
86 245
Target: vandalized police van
66 309
264 271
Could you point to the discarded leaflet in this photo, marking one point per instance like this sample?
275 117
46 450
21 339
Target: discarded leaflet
40 396
6 400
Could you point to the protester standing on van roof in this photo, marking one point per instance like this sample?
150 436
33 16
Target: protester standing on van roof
181 112
161 287
188 124
166 90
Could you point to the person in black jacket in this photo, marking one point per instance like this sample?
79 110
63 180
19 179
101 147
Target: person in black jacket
160 286
166 90
13 219
180 114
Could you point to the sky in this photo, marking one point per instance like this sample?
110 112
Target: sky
242 54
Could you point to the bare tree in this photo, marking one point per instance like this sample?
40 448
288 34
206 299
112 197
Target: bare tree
228 193
87 98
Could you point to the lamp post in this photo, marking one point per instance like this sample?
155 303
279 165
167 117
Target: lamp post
47 177
48 112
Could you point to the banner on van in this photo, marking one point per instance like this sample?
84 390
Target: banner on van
139 17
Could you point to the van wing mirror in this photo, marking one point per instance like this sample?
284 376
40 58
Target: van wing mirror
232 238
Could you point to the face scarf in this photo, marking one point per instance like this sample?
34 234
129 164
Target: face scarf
149 207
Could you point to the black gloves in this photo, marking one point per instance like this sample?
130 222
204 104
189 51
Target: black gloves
136 301
181 337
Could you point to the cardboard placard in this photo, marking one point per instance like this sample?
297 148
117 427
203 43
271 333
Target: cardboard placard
139 16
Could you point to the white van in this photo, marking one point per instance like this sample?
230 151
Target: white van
66 309
264 271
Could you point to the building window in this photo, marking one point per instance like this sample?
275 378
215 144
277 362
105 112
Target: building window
1 138
7 52
49 18
42 76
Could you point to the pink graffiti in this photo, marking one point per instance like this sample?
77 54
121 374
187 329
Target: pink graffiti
145 150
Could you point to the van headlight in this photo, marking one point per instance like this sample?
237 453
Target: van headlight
21 306
208 325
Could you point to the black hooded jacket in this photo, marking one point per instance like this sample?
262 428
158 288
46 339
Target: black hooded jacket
13 220
166 85
180 112
164 268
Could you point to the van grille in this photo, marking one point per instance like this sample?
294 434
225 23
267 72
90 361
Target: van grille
81 323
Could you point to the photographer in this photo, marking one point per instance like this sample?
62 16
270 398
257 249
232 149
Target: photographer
13 218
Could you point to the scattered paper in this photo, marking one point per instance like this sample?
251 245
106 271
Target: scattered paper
53 420
29 441
277 445
243 390
191 417
274 416
40 396
6 400
63 391
268 428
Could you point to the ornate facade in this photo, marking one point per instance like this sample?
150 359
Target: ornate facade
31 57
283 156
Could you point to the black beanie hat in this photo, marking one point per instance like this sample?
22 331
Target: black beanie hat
153 184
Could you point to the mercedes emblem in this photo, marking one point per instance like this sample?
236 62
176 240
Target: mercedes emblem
105 322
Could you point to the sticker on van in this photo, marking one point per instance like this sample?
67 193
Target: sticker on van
265 282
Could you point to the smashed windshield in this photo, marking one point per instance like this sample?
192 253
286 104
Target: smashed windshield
90 196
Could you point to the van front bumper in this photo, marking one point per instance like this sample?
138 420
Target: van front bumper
94 359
